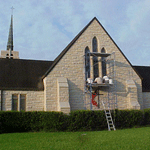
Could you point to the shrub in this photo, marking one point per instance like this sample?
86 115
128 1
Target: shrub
54 121
12 121
146 117
128 118
83 120
87 120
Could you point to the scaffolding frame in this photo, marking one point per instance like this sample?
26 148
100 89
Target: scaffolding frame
111 99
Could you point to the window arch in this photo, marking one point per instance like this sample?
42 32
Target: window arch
87 63
95 59
103 50
103 63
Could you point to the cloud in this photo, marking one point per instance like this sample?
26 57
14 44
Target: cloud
134 35
42 29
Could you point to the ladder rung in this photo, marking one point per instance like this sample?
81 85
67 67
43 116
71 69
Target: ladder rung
112 127
110 121
111 124
108 116
107 113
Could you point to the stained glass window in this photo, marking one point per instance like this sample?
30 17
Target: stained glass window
103 63
87 63
95 59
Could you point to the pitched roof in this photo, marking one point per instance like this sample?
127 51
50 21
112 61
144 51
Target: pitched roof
20 74
144 72
74 40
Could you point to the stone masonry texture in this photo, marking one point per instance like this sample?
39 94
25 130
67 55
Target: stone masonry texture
71 66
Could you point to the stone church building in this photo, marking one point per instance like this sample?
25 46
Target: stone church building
90 73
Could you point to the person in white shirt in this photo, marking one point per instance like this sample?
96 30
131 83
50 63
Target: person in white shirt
89 80
98 80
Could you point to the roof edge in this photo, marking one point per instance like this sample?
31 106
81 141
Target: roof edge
118 48
76 38
113 41
21 89
67 48
134 68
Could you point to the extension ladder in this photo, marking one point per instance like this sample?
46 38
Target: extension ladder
110 123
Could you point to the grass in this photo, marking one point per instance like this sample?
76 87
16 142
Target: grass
127 139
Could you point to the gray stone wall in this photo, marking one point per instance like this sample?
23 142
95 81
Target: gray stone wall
146 99
71 66
34 100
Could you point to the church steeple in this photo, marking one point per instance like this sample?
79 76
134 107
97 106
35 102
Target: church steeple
9 53
10 37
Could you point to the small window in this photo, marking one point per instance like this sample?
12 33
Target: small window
22 102
15 102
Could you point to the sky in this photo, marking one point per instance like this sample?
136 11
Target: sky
43 28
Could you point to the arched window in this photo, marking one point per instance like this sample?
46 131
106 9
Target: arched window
87 63
95 59
103 63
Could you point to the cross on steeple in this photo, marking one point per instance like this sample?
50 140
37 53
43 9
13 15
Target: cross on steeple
9 53
12 8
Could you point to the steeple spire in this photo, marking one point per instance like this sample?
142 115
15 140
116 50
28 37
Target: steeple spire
9 53
10 37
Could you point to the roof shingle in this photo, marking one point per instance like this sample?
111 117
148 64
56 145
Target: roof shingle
19 74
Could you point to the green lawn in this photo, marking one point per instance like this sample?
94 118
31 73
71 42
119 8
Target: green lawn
136 138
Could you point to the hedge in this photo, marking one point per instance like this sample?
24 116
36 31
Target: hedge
83 120
128 118
87 120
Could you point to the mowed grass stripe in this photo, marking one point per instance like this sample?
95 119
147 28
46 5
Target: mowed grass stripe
127 139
